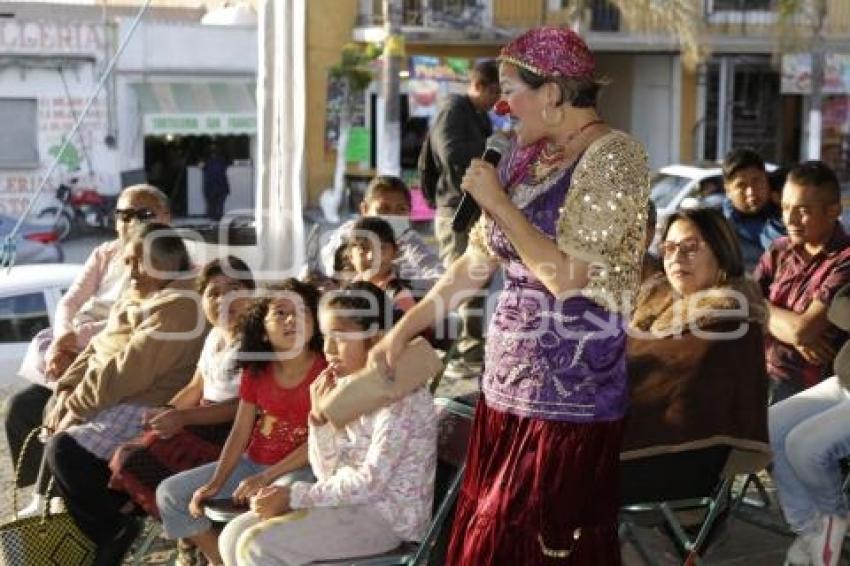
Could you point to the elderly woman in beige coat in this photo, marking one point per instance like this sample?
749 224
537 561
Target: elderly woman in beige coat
146 353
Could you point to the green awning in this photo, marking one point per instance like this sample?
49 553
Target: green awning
220 108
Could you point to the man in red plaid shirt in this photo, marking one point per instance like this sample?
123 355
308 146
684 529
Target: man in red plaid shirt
800 274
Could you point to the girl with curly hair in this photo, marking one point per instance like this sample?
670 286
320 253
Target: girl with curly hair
281 355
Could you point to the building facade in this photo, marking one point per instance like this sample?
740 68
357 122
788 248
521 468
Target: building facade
179 88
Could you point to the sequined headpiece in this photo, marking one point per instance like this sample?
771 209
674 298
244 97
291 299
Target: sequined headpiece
550 52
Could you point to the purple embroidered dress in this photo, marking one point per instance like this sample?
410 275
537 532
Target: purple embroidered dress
542 465
549 358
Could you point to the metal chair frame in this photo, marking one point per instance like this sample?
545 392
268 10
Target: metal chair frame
687 546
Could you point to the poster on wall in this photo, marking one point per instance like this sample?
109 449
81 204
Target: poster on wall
835 148
433 78
797 73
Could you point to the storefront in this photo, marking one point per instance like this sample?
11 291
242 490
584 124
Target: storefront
183 123
182 94
47 70
176 92
835 110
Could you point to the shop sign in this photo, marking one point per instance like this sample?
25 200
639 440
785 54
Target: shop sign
359 145
797 73
200 124
452 69
50 37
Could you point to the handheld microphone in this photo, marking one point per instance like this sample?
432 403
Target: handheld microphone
468 211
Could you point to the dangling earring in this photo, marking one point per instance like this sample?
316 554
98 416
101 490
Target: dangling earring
548 119
721 277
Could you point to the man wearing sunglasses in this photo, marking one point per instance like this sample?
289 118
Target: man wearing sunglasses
80 314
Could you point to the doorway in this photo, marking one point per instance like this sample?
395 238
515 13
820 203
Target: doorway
167 158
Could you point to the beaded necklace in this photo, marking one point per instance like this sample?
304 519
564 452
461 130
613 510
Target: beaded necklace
552 156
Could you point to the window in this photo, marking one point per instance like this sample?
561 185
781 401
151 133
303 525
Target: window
604 16
710 186
22 316
19 134
665 188
741 5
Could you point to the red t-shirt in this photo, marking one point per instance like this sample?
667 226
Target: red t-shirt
281 424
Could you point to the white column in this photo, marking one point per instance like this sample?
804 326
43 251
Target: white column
281 106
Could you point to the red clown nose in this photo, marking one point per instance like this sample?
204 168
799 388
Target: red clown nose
502 107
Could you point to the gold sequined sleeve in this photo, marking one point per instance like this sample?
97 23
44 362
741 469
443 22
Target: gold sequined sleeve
603 220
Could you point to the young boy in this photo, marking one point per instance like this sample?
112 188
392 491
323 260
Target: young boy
372 250
748 206
389 198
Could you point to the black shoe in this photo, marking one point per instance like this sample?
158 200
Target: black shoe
112 552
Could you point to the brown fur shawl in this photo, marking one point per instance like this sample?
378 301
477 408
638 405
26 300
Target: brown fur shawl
697 374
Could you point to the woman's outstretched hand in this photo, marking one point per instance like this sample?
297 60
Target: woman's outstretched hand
384 355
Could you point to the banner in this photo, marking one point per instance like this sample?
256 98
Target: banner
448 69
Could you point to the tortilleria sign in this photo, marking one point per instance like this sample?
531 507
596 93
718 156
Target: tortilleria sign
196 124
49 36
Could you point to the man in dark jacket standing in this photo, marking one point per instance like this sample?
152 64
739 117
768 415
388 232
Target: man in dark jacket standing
216 185
459 134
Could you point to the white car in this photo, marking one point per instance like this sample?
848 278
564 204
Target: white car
675 187
28 298
686 186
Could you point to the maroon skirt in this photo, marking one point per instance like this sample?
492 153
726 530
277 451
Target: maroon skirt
140 465
538 492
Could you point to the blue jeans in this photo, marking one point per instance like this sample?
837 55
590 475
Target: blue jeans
809 434
175 493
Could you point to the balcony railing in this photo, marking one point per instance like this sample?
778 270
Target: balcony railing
730 17
761 17
739 18
450 14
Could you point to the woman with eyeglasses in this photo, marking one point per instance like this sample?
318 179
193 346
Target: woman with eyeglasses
696 364
80 314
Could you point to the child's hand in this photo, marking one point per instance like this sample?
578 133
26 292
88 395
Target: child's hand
150 414
320 387
167 423
196 508
248 487
271 501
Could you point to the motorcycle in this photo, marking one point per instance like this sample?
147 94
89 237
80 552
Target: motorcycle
83 208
